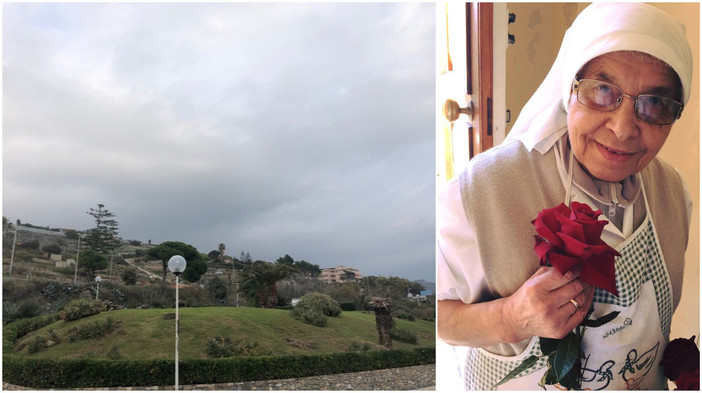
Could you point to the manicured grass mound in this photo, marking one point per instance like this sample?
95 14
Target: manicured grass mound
145 342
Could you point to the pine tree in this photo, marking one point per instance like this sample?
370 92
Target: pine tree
103 238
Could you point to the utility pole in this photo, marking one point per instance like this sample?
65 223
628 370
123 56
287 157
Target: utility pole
112 256
75 275
12 256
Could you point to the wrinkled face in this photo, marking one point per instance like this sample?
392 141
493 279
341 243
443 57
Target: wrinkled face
613 145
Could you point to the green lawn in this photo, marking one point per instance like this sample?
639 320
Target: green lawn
145 334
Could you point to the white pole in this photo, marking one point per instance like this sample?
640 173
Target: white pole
12 257
75 275
176 337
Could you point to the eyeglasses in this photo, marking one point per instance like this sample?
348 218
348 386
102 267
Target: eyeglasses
607 97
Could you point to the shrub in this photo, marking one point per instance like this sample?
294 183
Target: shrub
30 245
426 314
355 346
81 308
405 315
403 335
91 330
314 307
223 347
28 309
37 345
129 277
53 336
15 330
113 353
309 316
320 302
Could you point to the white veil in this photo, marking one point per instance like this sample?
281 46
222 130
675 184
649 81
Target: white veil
600 28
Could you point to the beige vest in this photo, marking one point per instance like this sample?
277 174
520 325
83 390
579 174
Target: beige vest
503 190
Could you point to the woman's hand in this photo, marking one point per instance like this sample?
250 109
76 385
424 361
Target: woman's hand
542 305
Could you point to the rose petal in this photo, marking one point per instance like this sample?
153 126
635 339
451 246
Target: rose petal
542 247
547 224
598 270
592 229
583 211
574 247
562 263
601 249
571 228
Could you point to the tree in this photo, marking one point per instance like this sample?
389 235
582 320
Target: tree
245 258
391 287
383 320
51 249
218 289
286 260
129 277
303 267
195 269
71 234
221 249
195 264
91 260
307 268
103 238
258 281
213 255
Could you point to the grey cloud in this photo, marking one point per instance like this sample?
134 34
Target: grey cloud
304 129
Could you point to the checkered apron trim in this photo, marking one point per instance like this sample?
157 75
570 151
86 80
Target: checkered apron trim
641 260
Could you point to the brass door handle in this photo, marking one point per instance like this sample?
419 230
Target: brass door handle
452 110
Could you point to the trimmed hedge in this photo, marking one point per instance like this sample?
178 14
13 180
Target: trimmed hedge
93 373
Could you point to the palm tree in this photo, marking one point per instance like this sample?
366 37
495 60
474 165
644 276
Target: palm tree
221 249
259 281
383 320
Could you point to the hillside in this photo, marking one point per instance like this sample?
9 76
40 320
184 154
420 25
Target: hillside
149 334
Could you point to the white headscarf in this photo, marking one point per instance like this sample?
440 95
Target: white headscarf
600 28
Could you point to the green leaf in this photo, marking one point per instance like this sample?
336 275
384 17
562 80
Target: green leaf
600 321
571 380
548 345
549 377
566 355
528 362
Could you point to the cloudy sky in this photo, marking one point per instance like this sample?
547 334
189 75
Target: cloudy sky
301 129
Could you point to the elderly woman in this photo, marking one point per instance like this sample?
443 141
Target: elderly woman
590 134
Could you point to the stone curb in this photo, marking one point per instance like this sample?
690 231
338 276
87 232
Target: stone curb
405 378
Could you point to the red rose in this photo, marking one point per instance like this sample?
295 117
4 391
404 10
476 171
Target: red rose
568 237
688 381
681 356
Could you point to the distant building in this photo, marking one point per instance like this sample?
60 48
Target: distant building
65 264
422 297
340 274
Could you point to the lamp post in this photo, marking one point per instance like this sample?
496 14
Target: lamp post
176 265
97 292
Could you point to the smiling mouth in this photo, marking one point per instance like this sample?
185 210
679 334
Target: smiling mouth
613 151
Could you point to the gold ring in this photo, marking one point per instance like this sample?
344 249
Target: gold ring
576 304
